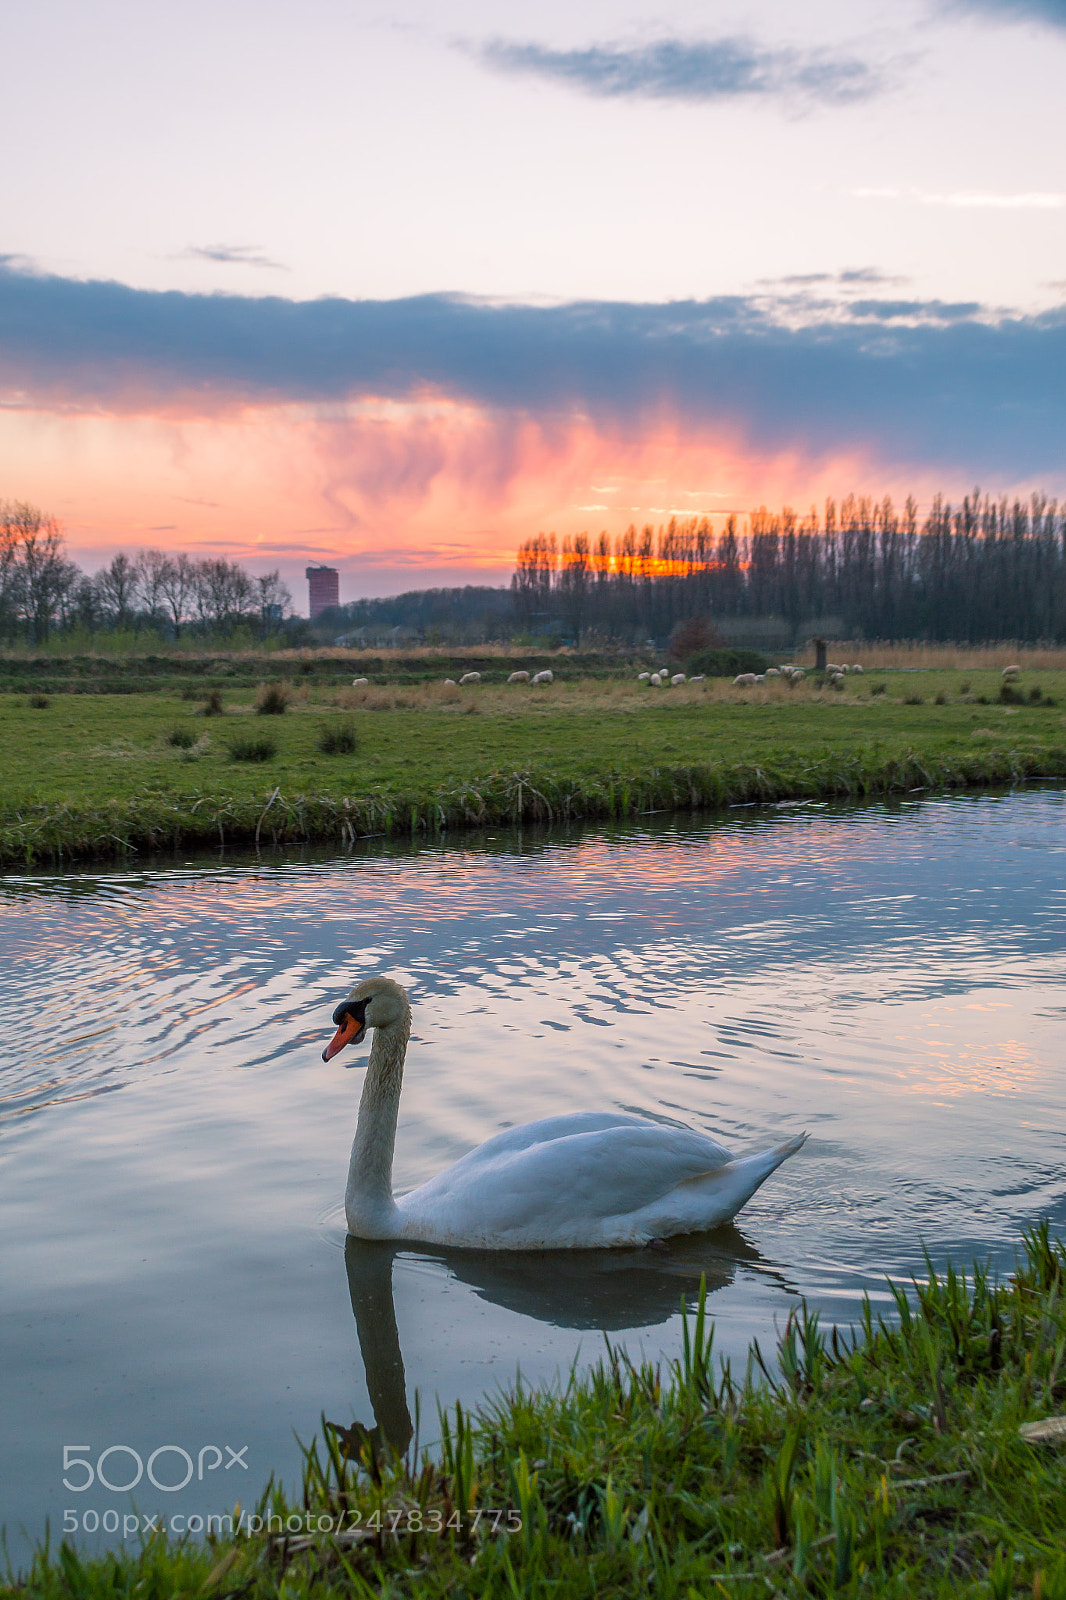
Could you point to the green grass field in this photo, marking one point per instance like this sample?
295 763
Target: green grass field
94 773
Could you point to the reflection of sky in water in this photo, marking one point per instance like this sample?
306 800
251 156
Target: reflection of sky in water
891 980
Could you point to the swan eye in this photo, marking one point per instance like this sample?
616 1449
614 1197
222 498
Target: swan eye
350 1008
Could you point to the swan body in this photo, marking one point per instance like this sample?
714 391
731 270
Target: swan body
589 1180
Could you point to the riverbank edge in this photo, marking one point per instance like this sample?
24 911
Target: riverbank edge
155 821
920 1456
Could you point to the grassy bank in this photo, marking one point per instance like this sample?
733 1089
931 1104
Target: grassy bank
913 1459
98 775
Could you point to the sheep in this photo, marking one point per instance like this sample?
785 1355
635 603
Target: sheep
655 680
470 677
643 677
773 672
449 683
832 666
797 675
360 683
547 676
744 680
857 668
1010 673
760 677
518 677
700 677
678 677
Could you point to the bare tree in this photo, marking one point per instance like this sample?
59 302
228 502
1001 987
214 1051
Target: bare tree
223 592
117 587
36 576
273 597
151 578
177 586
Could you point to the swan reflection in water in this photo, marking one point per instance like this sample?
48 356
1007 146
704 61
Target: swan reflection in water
604 1290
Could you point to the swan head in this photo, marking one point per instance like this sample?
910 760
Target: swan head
377 1003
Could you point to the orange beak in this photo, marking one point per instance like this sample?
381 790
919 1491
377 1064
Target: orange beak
350 1031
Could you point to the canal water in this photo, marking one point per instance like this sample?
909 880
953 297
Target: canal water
177 1302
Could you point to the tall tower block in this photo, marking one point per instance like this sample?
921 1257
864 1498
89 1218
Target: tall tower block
324 588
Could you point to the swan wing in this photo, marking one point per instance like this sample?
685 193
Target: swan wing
544 1186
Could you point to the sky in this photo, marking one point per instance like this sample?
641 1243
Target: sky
396 287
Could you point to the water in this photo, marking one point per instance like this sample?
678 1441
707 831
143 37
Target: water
172 1245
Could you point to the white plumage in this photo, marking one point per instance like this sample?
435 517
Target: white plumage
587 1180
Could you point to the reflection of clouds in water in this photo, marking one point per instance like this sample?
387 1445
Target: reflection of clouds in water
738 976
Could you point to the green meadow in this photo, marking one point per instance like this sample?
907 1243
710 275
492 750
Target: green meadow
98 773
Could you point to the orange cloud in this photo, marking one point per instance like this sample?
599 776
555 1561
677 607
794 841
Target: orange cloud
399 493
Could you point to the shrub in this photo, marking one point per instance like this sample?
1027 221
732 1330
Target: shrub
941 698
726 663
693 636
913 700
964 688
181 738
252 748
190 692
1009 696
1035 694
213 703
337 739
271 700
39 702
879 688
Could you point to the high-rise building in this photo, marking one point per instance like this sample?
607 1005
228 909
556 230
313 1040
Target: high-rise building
324 586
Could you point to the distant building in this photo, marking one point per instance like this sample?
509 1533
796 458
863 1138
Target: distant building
324 586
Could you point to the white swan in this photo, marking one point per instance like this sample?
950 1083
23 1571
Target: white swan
588 1180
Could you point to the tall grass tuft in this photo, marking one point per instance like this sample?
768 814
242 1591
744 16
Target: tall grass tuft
338 739
272 699
252 747
39 702
213 703
181 738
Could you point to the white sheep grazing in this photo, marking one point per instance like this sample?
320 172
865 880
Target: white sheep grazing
518 677
797 675
643 677
1010 673
773 672
700 677
857 668
655 680
470 677
360 683
678 677
547 676
832 666
744 680
449 683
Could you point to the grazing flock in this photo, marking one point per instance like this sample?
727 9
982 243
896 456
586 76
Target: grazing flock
663 678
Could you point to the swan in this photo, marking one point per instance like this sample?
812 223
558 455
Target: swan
587 1180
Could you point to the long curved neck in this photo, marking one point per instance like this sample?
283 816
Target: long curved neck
368 1196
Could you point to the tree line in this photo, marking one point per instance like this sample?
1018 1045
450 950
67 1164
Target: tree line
983 569
42 592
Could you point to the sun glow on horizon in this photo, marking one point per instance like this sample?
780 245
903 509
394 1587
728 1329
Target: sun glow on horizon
400 495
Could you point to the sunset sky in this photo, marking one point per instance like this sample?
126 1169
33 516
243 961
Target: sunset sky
394 287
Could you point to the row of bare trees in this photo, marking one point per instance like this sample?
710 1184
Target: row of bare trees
41 591
984 569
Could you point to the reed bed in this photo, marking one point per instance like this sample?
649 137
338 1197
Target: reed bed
910 654
920 1455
